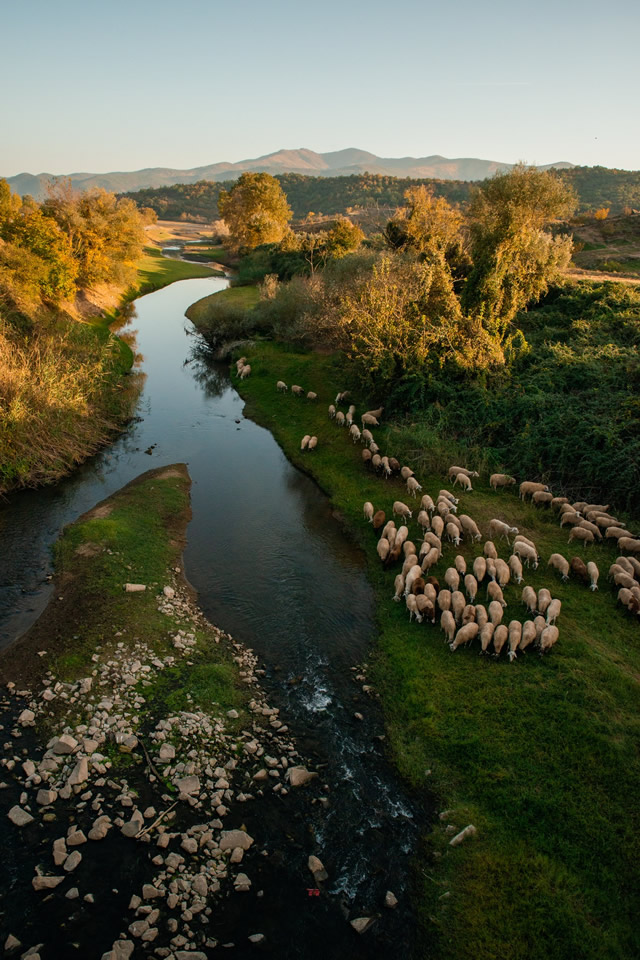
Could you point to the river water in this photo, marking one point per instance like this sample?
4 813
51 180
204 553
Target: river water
273 568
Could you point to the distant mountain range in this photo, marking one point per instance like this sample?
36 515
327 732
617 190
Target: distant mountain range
338 163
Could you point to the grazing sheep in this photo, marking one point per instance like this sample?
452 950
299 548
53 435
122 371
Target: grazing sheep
281 386
539 623
373 447
594 575
403 533
409 562
498 528
418 585
427 503
489 550
471 586
297 390
447 625
530 599
352 409
486 635
366 436
379 519
375 413
389 526
433 539
339 417
446 495
491 568
355 432
544 599
500 480
516 568
406 472
368 420
529 634
627 563
561 564
470 527
503 574
341 397
579 568
426 607
411 576
400 509
603 521
453 533
443 508
240 362
624 580
465 634
481 615
383 547
245 372
376 461
398 586
629 544
460 564
394 554
500 636
311 395
634 564
526 553
408 548
366 457
437 525
304 443
332 411
368 511
615 533
494 592
595 530
444 599
457 605
548 637
313 443
553 611
522 539
541 496
386 468
515 636
424 520
496 612
595 508
464 481
528 487
454 471
558 502
430 559
412 606
413 486
579 533
394 464
569 517
348 419
452 578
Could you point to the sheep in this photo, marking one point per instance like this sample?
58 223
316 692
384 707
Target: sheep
427 503
548 637
433 539
561 564
494 591
526 553
386 468
297 390
368 420
379 519
615 533
339 417
629 544
400 509
452 578
464 481
240 362
424 520
376 461
373 447
634 564
417 587
447 625
389 526
579 533
491 568
408 548
594 575
553 611
624 580
500 480
430 559
515 636
528 487
558 502
544 600
489 550
368 511
304 443
530 599
398 586
366 457
412 575
394 464
522 539
332 411
437 525
348 419
245 372
443 508
452 533
403 533
498 528
479 569
446 495
470 527
412 606
500 635
454 471
352 409
341 397
486 635
516 568
541 496
413 486
539 623
503 574
457 605
578 567
375 413
383 547
409 562
579 506
311 395
366 436
604 522
625 596
596 507
355 432
313 443
426 607
281 386
406 472
460 564
471 586
567 507
465 634
627 563
595 530
444 599
496 612
529 635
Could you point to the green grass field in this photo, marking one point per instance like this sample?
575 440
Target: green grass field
541 754
243 298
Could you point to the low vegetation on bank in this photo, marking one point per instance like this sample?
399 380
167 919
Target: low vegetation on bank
540 754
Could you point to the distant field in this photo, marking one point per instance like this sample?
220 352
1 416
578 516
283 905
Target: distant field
242 298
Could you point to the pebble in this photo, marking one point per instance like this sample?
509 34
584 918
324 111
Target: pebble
46 883
390 900
19 817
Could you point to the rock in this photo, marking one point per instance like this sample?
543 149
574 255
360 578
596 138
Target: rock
237 854
138 927
72 861
60 852
26 718
169 592
317 869
200 885
390 900
242 883
167 752
89 898
79 774
188 785
149 892
469 831
64 744
45 797
190 845
235 838
11 943
256 937
122 949
261 775
173 860
48 695
233 714
134 587
29 768
72 894
362 924
76 839
99 829
19 817
150 934
46 883
190 955
299 776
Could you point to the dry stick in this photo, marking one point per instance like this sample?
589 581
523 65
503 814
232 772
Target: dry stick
155 823
149 760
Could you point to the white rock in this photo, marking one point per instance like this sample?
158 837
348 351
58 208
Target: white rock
60 852
73 860
134 587
469 831
46 883
79 774
26 718
390 900
298 776
64 744
235 838
45 797
76 838
362 924
188 785
72 894
169 592
19 817
317 869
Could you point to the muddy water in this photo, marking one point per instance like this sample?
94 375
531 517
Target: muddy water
272 567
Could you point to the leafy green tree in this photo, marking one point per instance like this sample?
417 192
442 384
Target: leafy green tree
344 238
255 210
39 235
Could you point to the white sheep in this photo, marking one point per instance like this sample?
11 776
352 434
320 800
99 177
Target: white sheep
366 436
516 568
412 607
281 386
311 395
355 432
352 408
339 417
447 496
444 599
447 625
498 528
368 420
332 411
437 526
398 586
465 634
541 496
425 607
373 447
245 372
528 487
464 481
340 397
553 611
368 511
452 578
486 635
413 486
471 586
491 568
240 362
496 612
515 636
489 550
530 599
629 544
348 418
594 574
481 615
526 553
579 533
595 530
529 635
313 443
548 637
427 503
431 558
412 575
297 390
453 534
500 636
500 480
454 471
388 527
304 443
383 548
424 520
457 605
470 527
503 573
479 568
561 564
400 509
386 468
494 592
402 535
544 599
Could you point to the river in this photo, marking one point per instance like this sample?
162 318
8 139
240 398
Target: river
272 567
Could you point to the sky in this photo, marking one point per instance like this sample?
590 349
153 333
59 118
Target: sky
125 84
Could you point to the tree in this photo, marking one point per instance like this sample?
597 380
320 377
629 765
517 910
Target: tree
344 238
255 210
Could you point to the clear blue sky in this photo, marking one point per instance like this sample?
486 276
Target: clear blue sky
102 85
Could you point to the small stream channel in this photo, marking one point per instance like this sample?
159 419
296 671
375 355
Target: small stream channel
272 567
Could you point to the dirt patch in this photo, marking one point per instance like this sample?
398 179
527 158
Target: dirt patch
99 513
88 550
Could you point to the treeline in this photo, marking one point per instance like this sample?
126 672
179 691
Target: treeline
61 393
595 187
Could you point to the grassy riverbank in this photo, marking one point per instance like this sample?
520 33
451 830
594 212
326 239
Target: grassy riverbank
541 755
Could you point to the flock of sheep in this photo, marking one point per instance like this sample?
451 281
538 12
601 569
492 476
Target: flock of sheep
462 618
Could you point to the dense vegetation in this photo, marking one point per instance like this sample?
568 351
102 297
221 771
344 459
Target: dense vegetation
595 187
